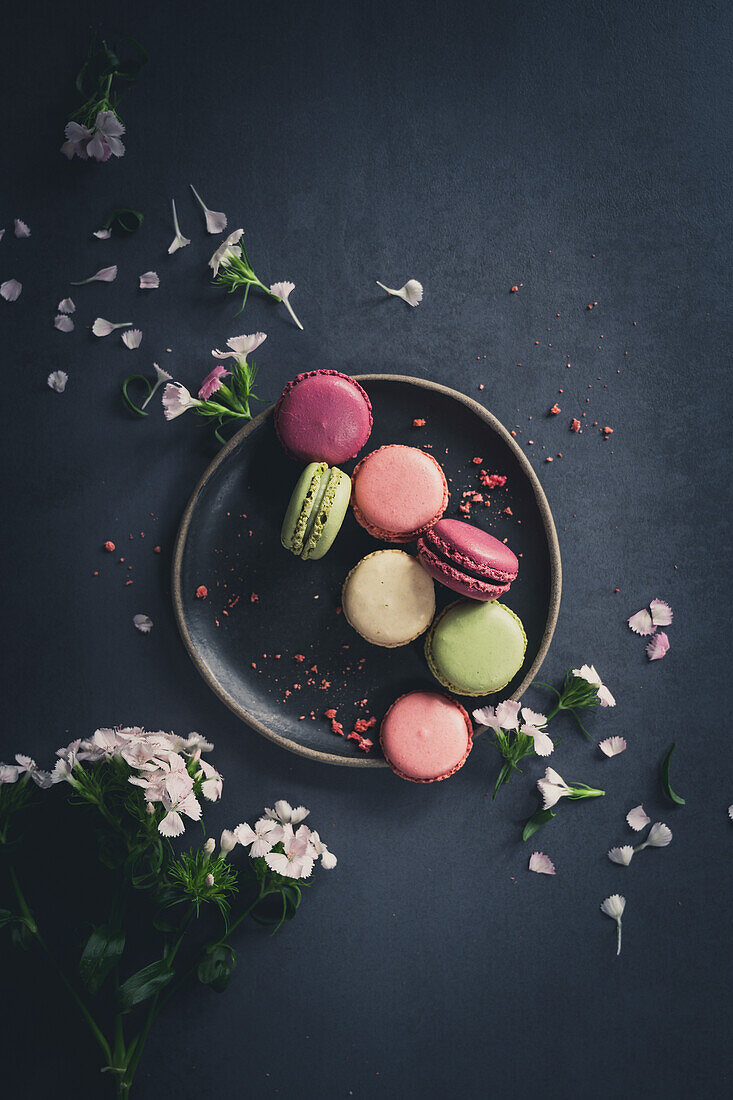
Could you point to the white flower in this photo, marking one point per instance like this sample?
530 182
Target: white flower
285 814
227 841
57 380
63 323
265 835
241 346
296 860
411 292
149 280
179 241
64 767
66 306
27 765
225 251
104 275
216 222
212 785
541 864
143 623
589 674
552 788
612 746
9 773
621 855
195 742
132 339
177 400
659 836
21 229
637 819
178 798
10 290
103 328
505 716
328 859
283 292
534 726
613 907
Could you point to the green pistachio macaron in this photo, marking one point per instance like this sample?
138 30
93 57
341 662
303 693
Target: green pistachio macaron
476 648
316 510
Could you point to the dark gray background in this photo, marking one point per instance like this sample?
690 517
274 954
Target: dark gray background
581 150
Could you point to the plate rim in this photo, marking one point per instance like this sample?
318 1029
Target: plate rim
548 523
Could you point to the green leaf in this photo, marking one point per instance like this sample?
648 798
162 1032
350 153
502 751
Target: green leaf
145 983
536 822
217 966
665 779
6 917
102 950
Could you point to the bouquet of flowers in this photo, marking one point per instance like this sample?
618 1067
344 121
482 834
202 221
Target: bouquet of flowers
145 788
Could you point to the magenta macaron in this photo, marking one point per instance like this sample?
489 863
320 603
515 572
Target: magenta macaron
426 736
323 416
467 560
398 492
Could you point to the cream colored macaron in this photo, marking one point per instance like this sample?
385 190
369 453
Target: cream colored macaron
389 598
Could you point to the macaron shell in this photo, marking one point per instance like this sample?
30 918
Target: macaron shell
472 549
331 515
426 736
323 415
457 581
476 648
298 512
388 598
399 492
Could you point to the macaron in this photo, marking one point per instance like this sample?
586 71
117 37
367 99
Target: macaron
398 492
316 510
468 560
426 736
323 416
476 648
388 598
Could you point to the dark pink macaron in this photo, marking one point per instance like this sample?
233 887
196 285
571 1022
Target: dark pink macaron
323 416
467 560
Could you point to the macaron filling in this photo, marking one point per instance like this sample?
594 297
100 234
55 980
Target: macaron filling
320 509
311 504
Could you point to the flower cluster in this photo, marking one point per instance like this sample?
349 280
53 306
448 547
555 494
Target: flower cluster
95 130
287 850
98 142
645 623
232 268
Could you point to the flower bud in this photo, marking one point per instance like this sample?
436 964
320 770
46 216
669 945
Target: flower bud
209 880
227 842
209 846
150 808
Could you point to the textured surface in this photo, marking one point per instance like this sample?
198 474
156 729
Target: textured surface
578 151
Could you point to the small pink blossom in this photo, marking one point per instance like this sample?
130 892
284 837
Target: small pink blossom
612 746
658 646
297 858
177 400
541 864
263 837
213 382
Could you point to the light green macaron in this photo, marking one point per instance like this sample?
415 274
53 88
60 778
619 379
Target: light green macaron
316 510
476 648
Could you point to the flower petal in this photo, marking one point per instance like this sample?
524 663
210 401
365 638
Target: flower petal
658 646
66 306
660 836
102 234
21 229
411 292
143 623
57 380
109 124
532 718
10 290
132 338
63 323
149 280
104 275
101 327
541 864
244 345
641 623
213 382
171 825
612 746
661 613
543 743
637 818
622 856
614 906
216 221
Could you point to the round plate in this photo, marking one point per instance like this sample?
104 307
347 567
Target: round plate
269 638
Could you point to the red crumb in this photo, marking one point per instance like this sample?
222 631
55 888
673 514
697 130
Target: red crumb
127 584
299 657
465 508
363 724
418 422
607 431
253 597
508 512
331 713
202 592
555 409
109 547
156 549
477 461
362 742
515 289
549 459
493 481
574 425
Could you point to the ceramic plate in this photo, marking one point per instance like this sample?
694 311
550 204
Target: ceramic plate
269 638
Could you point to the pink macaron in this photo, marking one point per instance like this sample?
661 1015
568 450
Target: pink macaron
398 492
323 416
426 736
468 560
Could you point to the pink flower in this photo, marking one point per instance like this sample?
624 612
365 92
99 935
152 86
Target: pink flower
265 835
213 382
658 646
297 857
177 400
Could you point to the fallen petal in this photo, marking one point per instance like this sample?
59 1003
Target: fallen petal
623 856
541 864
216 221
612 746
660 835
10 290
104 275
66 306
63 323
661 613
637 818
57 380
641 623
2 234
411 292
149 280
132 338
21 229
102 234
103 328
658 646
143 623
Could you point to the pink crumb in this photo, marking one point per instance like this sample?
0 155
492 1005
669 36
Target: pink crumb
574 425
555 409
418 422
202 592
109 547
